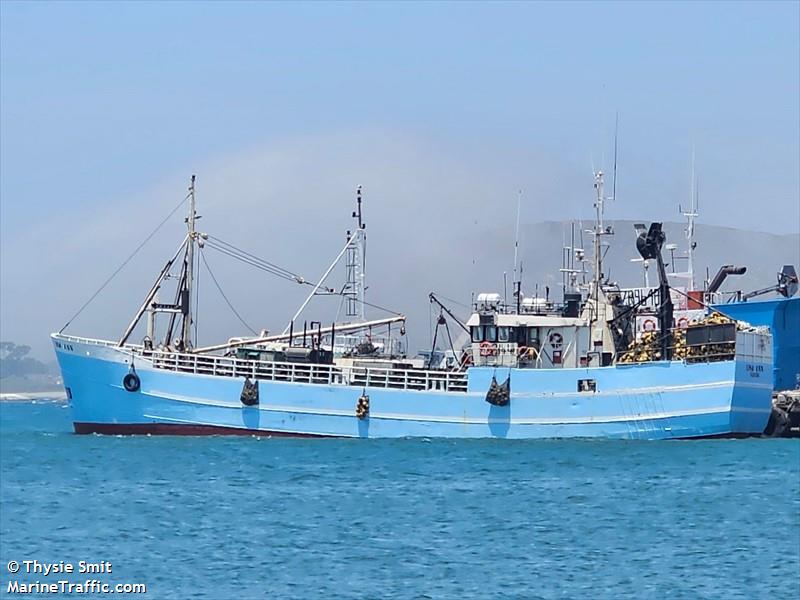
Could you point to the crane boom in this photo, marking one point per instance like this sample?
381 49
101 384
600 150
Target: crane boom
432 297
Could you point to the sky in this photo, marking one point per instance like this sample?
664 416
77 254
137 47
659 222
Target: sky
442 111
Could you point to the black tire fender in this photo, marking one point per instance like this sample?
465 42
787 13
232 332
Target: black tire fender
131 382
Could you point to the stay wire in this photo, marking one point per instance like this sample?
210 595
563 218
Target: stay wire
257 263
391 312
124 263
250 255
243 258
216 283
450 337
277 268
196 298
451 300
268 267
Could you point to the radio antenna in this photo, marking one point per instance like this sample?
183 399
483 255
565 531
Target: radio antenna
516 235
614 183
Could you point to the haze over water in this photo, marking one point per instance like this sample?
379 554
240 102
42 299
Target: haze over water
442 111
223 517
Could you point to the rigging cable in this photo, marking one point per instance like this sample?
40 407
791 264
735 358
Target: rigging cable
259 263
249 261
365 303
433 345
453 301
450 337
196 298
254 260
254 257
210 272
172 317
339 310
125 262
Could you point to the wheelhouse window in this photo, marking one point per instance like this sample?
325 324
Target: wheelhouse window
491 333
477 334
502 334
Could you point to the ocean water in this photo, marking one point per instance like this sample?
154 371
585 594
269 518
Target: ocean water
224 517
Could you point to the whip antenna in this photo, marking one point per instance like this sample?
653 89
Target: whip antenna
614 182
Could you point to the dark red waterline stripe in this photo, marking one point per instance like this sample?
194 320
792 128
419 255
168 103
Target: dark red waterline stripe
198 430
179 429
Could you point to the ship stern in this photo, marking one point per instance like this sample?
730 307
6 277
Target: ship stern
751 400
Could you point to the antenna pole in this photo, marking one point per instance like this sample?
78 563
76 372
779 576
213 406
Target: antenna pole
361 266
186 294
690 217
599 229
353 290
516 236
616 135
355 284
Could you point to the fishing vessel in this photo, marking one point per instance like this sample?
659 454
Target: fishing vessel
533 368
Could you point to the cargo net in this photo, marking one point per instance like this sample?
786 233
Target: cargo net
712 339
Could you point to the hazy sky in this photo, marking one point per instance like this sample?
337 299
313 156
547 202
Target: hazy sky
442 111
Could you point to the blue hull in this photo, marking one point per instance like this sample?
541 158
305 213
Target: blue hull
644 401
782 316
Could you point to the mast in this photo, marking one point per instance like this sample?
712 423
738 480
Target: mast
600 333
356 264
186 293
691 214
355 250
516 236
690 217
599 231
149 299
517 273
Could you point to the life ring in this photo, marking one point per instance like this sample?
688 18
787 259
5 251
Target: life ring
131 382
649 325
683 323
488 349
556 340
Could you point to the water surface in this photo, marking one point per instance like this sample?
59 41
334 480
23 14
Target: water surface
221 517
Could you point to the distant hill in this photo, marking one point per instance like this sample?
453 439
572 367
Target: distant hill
21 373
477 260
762 253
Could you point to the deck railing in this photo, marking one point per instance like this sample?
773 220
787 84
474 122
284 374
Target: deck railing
224 366
63 337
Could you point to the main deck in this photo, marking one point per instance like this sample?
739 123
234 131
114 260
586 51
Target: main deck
289 372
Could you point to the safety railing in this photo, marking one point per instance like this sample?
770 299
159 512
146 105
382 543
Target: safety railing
62 337
224 366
